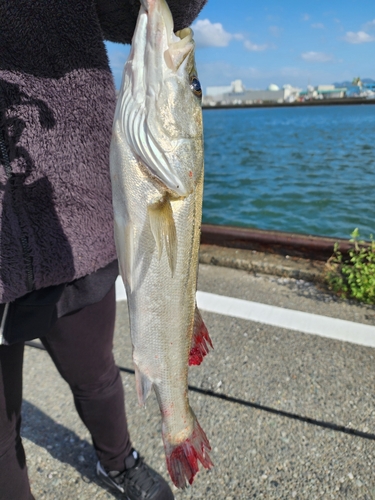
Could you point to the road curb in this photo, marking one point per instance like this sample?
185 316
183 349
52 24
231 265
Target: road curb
263 263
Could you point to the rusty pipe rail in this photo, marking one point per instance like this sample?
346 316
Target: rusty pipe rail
295 245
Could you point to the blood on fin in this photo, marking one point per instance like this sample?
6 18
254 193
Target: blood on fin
201 341
182 459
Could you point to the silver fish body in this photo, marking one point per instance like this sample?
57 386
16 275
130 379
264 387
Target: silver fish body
156 164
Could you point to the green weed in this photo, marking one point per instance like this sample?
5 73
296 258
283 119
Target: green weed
353 277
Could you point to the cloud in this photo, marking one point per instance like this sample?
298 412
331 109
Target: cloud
275 30
359 37
318 26
252 47
207 34
370 25
238 36
305 17
316 57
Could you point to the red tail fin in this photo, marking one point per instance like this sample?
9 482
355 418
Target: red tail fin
200 342
182 460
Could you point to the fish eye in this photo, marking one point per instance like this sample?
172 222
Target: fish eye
196 86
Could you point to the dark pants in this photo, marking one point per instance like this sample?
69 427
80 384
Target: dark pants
80 344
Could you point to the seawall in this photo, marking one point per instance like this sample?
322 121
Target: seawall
316 102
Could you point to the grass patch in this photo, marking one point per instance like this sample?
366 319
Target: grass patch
353 276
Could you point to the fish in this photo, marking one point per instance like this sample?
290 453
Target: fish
157 170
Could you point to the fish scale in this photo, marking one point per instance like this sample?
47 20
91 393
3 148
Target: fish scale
156 162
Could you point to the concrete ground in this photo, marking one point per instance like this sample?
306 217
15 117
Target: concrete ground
288 415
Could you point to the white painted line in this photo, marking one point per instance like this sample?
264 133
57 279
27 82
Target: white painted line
120 290
338 329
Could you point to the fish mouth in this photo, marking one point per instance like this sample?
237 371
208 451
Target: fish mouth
175 47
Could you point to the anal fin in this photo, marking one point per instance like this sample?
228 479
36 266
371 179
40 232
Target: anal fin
201 341
143 385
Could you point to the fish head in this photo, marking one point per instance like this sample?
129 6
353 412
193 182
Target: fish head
163 98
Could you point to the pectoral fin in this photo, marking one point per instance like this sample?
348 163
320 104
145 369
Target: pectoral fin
164 230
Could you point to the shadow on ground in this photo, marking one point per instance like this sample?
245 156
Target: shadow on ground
60 442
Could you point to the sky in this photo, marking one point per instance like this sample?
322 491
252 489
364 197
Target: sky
297 43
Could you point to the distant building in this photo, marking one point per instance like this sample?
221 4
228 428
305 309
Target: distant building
323 92
272 94
236 93
238 87
291 93
218 90
273 88
217 93
324 88
366 90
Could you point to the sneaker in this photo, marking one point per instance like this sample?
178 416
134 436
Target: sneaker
137 482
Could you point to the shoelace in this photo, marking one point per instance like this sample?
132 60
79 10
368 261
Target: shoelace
139 475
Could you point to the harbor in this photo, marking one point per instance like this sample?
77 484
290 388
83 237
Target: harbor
295 104
236 94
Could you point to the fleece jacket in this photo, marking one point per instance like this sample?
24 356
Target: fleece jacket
57 100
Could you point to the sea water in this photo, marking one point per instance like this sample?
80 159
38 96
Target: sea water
308 170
